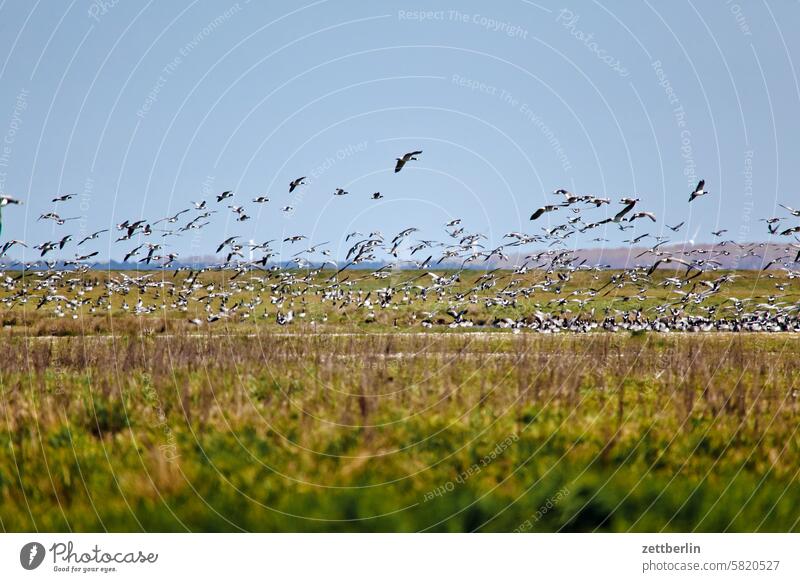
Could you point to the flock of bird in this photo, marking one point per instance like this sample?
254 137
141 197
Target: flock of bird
533 282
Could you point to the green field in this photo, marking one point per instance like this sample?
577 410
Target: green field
259 428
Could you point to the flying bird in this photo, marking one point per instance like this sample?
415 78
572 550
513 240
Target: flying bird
629 204
5 201
636 215
92 236
547 208
405 159
699 191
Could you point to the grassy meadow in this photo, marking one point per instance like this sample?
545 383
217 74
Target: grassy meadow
251 427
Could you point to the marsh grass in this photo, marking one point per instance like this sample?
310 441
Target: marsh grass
325 432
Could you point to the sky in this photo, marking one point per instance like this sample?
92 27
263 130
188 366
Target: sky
140 108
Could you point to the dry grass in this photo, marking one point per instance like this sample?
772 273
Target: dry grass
355 432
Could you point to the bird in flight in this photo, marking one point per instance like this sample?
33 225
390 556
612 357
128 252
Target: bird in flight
5 201
675 228
699 191
405 159
63 198
55 218
92 236
636 215
547 208
295 183
629 204
10 244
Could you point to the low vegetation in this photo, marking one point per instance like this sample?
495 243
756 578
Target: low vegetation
289 430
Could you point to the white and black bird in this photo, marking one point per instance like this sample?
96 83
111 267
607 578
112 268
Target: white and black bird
629 204
92 236
226 242
699 190
636 215
405 159
546 208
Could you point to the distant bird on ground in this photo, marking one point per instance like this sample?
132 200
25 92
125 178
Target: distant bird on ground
699 191
405 159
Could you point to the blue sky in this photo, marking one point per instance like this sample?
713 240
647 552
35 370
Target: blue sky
141 107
